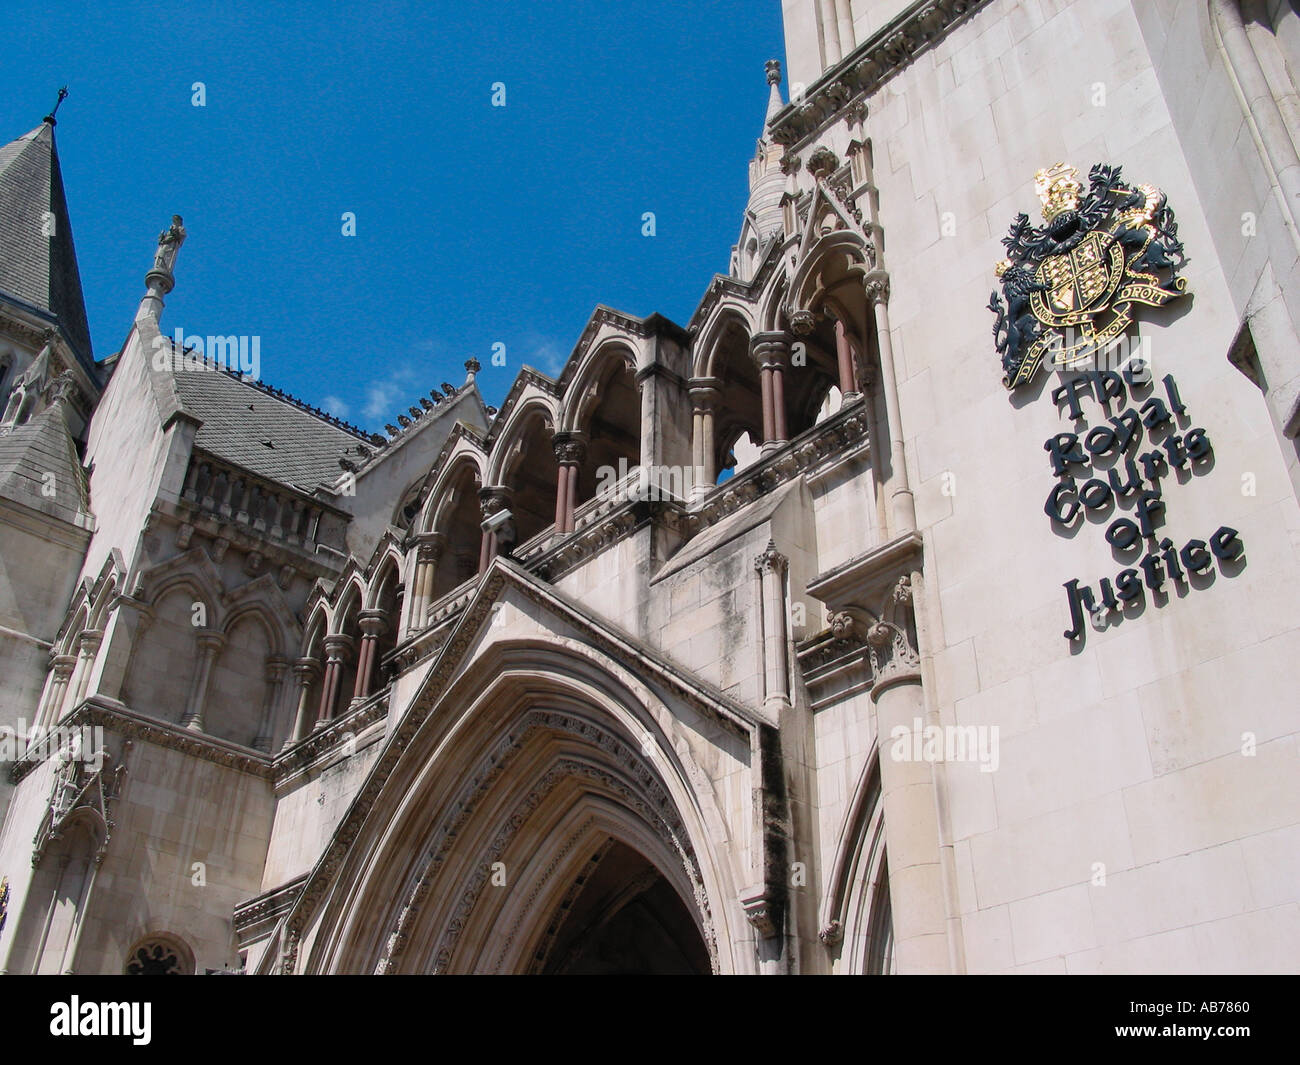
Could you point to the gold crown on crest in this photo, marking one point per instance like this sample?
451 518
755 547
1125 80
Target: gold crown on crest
1058 187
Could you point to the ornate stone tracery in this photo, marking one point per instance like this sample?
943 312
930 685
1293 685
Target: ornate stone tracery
636 787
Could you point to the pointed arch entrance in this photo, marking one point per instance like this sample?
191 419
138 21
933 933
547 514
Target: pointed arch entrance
621 917
542 822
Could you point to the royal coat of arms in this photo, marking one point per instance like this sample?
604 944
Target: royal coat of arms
1068 287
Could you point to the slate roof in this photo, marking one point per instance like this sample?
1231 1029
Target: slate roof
38 270
271 435
38 447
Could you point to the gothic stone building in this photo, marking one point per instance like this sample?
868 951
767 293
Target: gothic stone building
790 639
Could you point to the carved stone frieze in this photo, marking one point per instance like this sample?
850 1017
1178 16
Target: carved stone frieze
859 74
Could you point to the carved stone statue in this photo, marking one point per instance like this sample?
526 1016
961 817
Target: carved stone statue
169 243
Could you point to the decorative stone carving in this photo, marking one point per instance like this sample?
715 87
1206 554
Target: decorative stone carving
831 934
763 911
570 449
823 162
803 322
154 957
771 560
877 287
84 787
169 243
875 60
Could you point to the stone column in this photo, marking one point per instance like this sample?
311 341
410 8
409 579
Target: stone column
87 647
844 17
916 885
51 709
494 500
844 358
771 567
373 623
771 351
705 393
570 451
830 32
275 670
305 670
428 551
902 505
337 648
210 642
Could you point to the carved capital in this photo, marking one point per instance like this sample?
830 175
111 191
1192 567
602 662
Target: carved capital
877 285
823 162
771 351
210 641
570 448
705 394
373 622
771 560
63 666
338 647
803 322
494 500
429 546
763 910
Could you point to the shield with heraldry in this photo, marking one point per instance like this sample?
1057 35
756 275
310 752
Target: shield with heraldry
1077 288
1069 286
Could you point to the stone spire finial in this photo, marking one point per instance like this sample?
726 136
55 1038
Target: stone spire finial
63 95
774 101
159 280
169 243
472 366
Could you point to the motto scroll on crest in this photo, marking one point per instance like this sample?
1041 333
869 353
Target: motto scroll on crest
1068 287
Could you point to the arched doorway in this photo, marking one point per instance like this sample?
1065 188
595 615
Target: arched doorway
622 917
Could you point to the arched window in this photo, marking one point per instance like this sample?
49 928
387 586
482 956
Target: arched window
159 954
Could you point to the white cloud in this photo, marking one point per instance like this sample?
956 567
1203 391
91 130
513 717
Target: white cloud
545 354
335 406
381 396
398 390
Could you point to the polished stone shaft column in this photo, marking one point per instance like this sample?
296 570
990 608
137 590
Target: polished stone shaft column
87 648
771 567
902 505
494 500
570 451
705 393
917 892
275 670
306 670
210 642
771 351
428 552
373 624
51 710
338 647
844 359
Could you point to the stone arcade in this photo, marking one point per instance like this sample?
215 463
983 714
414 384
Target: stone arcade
451 699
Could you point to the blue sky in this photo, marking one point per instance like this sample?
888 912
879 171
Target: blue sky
475 224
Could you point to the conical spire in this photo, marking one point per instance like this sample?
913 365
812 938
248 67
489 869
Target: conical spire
774 102
38 262
766 185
